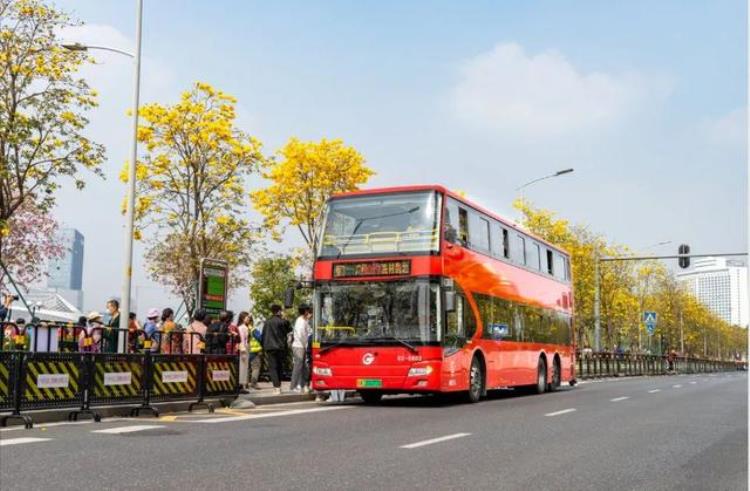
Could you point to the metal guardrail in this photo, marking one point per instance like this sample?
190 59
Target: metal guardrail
595 365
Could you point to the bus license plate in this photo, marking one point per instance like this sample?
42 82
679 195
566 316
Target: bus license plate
369 383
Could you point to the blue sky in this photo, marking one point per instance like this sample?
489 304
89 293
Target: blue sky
646 100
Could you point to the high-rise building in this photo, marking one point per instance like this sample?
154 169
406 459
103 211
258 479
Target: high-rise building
721 285
66 273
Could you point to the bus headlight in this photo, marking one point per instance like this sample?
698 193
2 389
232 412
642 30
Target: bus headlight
419 371
322 371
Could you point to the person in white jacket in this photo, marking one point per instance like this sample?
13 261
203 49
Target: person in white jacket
301 333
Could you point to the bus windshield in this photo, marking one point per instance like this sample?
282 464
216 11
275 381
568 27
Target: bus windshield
387 223
378 312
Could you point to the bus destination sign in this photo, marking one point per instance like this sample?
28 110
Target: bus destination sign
372 268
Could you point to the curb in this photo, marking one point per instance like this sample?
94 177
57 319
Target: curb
123 411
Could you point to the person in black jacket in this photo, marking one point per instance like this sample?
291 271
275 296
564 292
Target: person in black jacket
273 340
217 334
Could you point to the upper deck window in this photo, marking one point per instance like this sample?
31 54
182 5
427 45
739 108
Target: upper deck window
479 232
384 223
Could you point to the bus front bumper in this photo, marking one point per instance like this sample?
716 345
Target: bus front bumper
414 379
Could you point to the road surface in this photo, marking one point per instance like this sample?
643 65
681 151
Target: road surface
650 433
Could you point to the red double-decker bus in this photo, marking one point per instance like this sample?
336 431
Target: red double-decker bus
418 290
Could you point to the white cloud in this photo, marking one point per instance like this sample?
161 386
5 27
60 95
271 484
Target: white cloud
510 91
728 130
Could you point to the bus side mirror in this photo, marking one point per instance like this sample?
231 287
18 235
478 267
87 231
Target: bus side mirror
450 234
450 301
289 297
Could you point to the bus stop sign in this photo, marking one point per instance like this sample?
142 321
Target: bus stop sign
649 318
212 287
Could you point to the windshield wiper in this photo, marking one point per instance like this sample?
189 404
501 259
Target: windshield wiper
335 345
401 341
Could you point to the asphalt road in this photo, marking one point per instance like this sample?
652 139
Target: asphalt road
653 433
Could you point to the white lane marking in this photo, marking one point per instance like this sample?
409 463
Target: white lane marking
618 399
128 429
654 391
564 411
270 415
16 441
66 423
435 440
676 386
693 382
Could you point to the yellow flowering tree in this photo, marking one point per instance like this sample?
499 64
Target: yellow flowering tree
629 288
191 188
42 107
302 179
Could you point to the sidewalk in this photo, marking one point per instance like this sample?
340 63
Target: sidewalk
259 397
265 395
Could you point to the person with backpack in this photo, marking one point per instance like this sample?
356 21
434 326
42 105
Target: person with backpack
217 334
273 341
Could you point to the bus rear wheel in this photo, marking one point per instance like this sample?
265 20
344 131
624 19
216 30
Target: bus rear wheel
371 396
556 376
541 377
476 381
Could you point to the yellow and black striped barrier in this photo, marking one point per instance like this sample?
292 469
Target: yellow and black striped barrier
221 375
79 381
51 380
117 379
174 377
7 366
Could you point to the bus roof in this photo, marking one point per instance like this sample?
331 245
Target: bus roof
456 196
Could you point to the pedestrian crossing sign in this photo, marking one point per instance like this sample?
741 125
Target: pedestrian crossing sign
649 318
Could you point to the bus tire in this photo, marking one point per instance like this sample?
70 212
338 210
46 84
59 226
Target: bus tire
541 377
556 375
476 381
371 396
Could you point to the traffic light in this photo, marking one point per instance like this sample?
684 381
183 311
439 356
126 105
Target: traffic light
684 262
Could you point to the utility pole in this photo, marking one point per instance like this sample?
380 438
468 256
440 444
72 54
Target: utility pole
597 302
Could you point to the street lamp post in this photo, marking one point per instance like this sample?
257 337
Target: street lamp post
130 212
556 174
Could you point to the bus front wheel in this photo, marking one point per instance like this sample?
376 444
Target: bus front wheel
371 396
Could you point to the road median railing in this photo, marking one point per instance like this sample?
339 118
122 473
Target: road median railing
605 364
86 378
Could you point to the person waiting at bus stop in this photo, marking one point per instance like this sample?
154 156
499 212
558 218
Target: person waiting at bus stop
195 334
151 329
110 333
217 334
273 342
90 338
299 348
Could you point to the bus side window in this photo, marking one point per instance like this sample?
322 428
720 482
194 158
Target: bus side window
519 252
463 226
